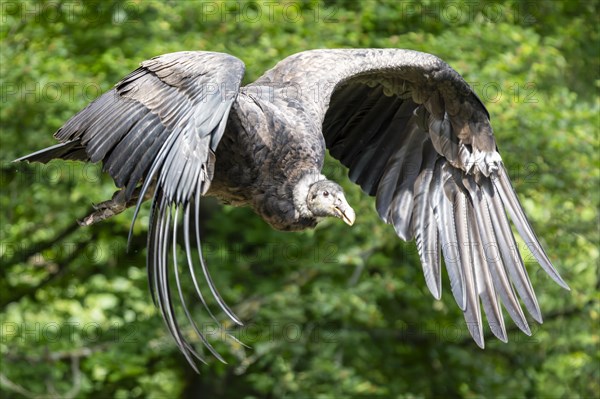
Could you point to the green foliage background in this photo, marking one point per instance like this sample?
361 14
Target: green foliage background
335 312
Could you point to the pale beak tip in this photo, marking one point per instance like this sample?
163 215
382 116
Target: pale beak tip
345 212
349 216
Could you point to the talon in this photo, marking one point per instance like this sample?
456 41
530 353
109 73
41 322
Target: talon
113 206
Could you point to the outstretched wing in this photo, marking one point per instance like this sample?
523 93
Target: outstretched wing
414 135
158 129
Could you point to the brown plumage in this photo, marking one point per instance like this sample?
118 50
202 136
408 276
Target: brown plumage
408 127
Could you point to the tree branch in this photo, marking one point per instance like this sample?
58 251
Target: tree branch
63 265
38 247
74 356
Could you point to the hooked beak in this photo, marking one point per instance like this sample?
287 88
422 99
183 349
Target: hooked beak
345 212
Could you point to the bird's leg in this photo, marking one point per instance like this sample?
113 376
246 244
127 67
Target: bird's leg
114 206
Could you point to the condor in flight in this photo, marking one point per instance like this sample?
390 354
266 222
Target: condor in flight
407 126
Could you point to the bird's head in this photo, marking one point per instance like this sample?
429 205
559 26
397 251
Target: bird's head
326 198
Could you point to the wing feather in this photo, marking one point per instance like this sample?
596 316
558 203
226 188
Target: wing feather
472 312
517 215
483 276
510 254
450 224
491 242
423 224
402 203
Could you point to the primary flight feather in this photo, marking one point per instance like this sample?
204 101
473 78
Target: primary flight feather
409 129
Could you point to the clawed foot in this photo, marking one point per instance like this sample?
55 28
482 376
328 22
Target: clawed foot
105 210
113 206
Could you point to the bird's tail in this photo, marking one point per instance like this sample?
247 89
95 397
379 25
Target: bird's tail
72 150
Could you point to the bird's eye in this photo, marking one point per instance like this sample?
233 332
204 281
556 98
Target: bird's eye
325 193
